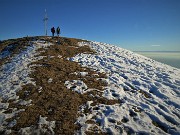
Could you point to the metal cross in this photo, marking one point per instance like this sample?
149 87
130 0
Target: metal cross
45 22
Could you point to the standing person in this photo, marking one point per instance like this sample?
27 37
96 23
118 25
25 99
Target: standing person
58 31
53 31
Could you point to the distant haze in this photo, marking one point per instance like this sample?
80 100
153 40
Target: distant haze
170 58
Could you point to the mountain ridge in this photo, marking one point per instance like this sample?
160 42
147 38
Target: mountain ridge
72 86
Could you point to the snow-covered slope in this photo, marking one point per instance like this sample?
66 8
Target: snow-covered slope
13 75
148 91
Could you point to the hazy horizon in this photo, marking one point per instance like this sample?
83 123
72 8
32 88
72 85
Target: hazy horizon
171 58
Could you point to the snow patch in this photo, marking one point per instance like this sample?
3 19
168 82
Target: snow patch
81 73
50 80
77 85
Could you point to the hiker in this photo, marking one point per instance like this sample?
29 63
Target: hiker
53 31
58 31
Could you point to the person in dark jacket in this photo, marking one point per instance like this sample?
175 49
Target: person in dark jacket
58 31
53 31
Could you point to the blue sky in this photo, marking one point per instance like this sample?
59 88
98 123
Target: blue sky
138 25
